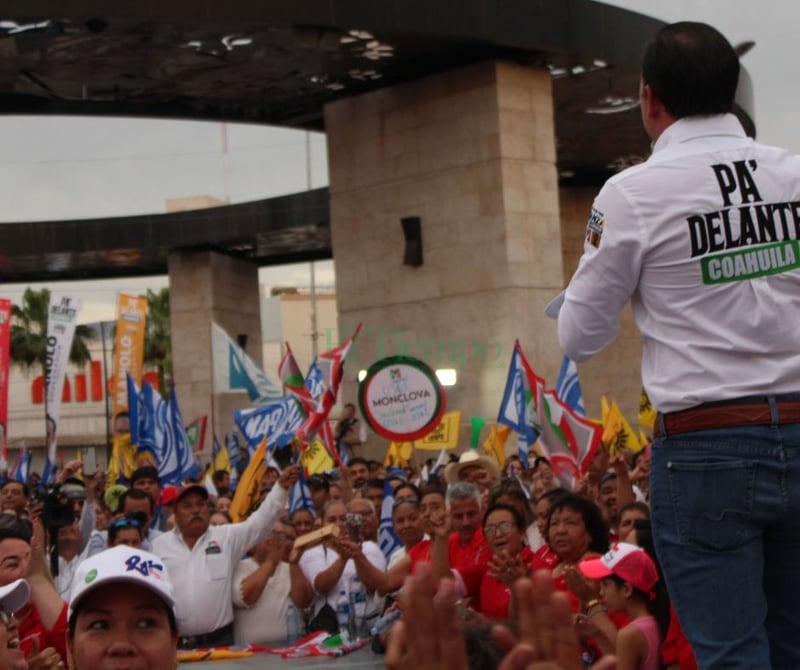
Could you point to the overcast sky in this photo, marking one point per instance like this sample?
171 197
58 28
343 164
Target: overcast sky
63 168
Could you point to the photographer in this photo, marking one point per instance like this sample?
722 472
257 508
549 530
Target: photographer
348 433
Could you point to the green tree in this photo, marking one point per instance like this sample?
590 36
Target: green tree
29 333
157 341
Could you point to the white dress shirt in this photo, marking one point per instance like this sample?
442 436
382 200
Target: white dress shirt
319 558
263 622
702 239
202 576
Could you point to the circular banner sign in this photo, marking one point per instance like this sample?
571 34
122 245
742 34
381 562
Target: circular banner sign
401 398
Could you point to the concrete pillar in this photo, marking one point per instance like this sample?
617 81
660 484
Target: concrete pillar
206 286
472 153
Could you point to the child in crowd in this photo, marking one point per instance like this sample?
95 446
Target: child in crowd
630 584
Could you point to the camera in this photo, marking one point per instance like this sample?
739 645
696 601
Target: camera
57 510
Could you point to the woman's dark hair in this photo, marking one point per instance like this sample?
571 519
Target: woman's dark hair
512 489
692 69
135 520
592 519
644 508
519 521
407 485
552 495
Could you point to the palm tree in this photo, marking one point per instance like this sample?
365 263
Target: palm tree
157 342
29 333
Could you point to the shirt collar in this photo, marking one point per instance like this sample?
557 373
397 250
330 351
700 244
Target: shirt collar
693 127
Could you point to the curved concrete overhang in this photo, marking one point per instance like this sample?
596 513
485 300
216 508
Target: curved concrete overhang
277 62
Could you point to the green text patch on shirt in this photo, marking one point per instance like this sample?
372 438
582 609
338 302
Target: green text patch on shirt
761 261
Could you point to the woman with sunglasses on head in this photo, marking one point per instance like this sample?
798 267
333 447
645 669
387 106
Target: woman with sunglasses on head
127 530
122 613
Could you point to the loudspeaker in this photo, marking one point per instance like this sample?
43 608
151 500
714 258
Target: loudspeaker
412 231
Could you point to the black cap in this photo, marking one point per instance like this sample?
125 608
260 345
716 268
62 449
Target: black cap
145 472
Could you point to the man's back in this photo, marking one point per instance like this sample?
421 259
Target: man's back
703 238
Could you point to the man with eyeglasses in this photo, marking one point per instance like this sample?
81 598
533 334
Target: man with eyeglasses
264 586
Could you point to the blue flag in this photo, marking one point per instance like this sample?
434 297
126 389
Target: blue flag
300 496
232 445
22 468
387 538
568 387
278 420
134 408
517 406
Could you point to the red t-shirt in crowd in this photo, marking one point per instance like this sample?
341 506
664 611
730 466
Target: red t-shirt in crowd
492 597
544 558
676 648
31 627
475 552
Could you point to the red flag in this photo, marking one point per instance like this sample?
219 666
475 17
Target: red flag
292 379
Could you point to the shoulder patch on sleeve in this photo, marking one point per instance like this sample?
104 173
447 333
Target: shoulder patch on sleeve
594 229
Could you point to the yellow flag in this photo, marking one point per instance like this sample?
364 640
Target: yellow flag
315 458
617 432
444 436
248 490
647 413
604 409
399 454
123 459
221 461
495 444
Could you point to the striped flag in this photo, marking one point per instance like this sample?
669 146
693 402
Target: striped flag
292 379
22 467
300 496
518 406
232 447
387 538
568 387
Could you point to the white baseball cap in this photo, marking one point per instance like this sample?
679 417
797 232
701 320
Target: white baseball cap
13 596
626 561
121 564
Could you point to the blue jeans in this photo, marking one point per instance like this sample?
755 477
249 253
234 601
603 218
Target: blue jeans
726 523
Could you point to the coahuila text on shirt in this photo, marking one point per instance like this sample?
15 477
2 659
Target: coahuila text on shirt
768 230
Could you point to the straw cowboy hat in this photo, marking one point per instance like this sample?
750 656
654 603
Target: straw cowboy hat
471 458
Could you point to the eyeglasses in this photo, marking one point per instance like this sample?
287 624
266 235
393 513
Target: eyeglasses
505 527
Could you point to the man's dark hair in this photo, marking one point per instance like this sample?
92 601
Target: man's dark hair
692 69
372 483
145 472
358 461
137 494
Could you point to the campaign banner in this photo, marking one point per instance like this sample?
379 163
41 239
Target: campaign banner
278 421
401 398
5 361
445 435
128 353
62 317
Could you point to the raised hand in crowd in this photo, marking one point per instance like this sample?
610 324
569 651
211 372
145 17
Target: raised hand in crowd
43 659
430 636
547 636
507 569
289 476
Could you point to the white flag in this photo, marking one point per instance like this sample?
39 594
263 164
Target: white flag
234 370
62 315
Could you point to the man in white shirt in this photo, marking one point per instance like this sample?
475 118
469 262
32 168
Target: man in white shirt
265 584
202 559
702 239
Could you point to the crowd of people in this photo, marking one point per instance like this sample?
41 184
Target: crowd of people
471 525
504 568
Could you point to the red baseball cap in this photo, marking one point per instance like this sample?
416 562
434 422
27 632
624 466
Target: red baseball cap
169 494
626 561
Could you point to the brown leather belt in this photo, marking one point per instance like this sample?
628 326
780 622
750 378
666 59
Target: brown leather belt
727 415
